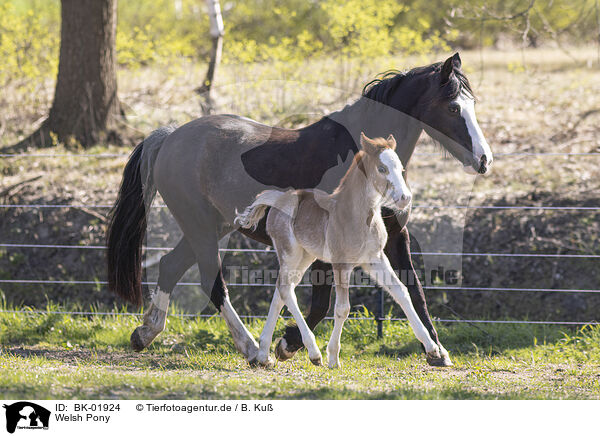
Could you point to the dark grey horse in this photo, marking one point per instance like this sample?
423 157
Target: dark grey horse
211 166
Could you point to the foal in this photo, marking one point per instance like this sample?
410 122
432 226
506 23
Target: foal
345 229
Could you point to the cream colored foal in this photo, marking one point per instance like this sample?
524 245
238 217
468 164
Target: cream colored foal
345 229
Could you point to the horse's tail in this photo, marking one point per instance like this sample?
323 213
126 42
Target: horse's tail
127 226
251 216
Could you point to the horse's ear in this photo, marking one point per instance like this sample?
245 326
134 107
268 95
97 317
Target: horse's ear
456 60
448 69
366 144
391 142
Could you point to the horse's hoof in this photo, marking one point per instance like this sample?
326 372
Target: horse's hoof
439 359
136 340
317 361
280 350
255 363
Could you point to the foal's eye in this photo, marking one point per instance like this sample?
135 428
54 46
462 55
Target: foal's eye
382 169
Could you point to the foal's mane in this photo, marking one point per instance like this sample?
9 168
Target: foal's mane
380 143
383 87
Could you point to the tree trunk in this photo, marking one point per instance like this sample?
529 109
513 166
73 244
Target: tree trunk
85 99
217 31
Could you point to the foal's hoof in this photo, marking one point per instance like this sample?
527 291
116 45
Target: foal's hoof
136 340
280 350
269 363
335 365
439 359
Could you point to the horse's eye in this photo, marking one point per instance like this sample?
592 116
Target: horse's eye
454 108
382 169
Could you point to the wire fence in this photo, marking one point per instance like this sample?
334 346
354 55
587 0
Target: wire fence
379 319
303 285
351 318
267 251
124 155
415 206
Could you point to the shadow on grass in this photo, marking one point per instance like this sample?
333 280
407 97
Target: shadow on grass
118 359
399 394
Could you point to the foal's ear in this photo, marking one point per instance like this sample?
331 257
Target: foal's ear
448 68
367 144
391 142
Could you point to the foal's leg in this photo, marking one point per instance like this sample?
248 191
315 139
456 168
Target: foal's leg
319 306
342 309
398 251
171 268
381 271
290 273
267 333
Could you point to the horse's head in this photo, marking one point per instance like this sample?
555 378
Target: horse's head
448 116
440 98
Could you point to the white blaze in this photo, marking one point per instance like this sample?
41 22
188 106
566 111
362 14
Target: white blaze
390 159
480 145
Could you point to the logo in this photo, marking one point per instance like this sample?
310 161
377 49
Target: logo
26 415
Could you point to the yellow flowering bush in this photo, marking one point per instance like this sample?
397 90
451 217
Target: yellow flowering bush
28 49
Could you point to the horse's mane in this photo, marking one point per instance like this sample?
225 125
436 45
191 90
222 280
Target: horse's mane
382 87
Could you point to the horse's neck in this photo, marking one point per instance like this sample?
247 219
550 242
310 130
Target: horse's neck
378 119
356 201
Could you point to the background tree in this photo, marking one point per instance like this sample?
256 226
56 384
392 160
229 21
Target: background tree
85 103
217 30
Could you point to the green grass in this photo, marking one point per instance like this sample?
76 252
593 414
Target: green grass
67 357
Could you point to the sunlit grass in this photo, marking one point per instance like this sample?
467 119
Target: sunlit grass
64 356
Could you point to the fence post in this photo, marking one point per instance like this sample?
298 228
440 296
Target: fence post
381 314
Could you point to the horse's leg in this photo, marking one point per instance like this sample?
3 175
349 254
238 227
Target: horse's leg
381 271
319 306
209 264
266 335
202 226
171 268
342 310
398 251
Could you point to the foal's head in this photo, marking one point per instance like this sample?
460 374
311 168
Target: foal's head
383 169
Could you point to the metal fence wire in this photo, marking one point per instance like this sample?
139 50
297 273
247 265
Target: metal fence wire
379 318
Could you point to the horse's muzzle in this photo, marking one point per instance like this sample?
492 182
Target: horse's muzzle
484 165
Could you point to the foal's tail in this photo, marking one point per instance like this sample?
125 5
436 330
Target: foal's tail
283 201
127 226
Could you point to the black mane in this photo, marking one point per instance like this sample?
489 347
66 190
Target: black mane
381 88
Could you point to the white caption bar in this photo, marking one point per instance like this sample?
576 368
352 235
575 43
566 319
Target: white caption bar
249 417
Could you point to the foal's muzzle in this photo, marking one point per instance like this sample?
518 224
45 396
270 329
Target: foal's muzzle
402 202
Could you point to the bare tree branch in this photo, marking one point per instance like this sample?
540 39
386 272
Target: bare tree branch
488 16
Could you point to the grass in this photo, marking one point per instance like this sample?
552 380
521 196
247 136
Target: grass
88 357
